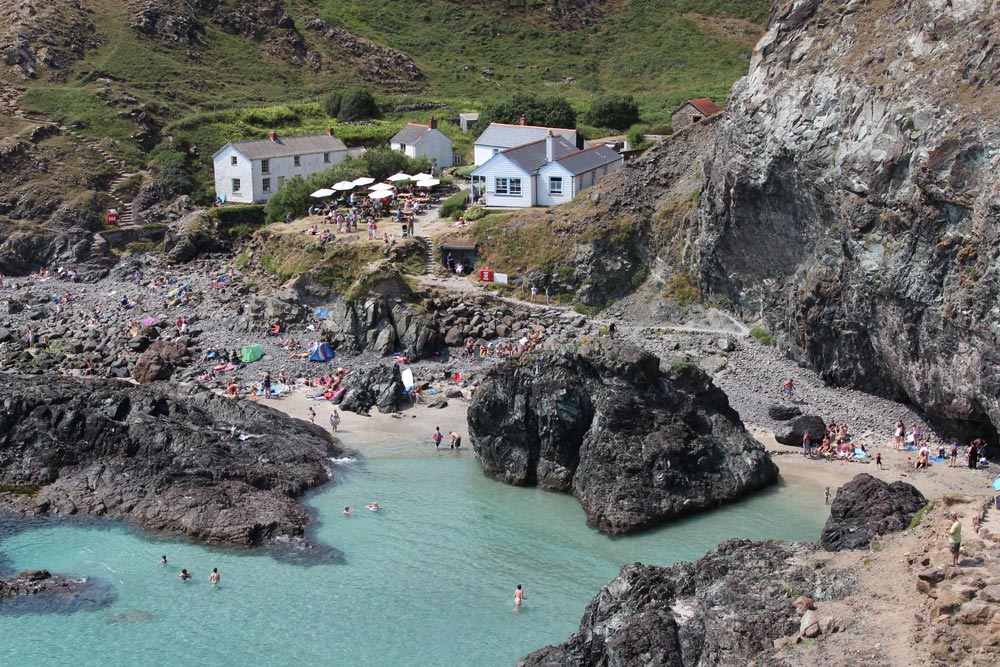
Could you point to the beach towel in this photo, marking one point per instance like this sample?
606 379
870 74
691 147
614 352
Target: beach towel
911 448
220 367
277 388
230 367
938 459
860 453
996 484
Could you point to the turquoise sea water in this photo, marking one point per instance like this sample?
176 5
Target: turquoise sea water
427 581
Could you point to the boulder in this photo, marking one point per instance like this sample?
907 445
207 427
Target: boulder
783 412
636 446
159 455
867 507
381 387
792 432
809 625
438 403
39 591
159 361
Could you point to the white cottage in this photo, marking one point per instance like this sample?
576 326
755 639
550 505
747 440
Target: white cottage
546 172
500 136
416 140
251 171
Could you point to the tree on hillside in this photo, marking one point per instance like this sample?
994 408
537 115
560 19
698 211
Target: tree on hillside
545 111
616 111
349 104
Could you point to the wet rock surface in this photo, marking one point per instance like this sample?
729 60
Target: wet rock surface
159 455
39 591
867 507
635 445
721 610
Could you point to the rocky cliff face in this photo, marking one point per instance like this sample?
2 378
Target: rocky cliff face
851 196
635 445
160 455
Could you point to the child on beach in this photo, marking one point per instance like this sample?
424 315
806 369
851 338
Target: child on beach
878 460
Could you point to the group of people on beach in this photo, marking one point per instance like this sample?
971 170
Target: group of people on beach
438 436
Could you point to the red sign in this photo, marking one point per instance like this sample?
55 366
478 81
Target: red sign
486 275
111 218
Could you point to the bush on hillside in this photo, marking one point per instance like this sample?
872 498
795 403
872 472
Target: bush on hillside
453 206
616 111
537 110
173 171
350 104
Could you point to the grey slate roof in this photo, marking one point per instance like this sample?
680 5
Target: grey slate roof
588 159
263 149
410 134
508 136
531 156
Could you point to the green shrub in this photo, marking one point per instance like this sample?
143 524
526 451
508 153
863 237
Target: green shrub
616 111
350 104
681 367
173 170
586 310
639 277
919 516
761 335
475 213
453 206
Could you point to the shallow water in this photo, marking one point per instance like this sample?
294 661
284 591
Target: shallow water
427 581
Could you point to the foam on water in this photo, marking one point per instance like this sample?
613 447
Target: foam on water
428 580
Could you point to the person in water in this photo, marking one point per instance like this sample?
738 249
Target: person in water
518 596
163 559
214 577
374 507
185 575
347 510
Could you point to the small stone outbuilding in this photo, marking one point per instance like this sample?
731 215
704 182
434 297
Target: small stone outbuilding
691 112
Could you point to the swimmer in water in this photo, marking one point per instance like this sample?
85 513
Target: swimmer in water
214 577
185 575
373 507
518 596
163 559
347 510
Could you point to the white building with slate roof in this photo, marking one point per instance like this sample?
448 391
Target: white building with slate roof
250 172
500 136
416 140
544 172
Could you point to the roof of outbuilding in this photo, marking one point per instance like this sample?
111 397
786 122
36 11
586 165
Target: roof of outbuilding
460 243
410 134
532 156
509 136
259 149
588 159
704 105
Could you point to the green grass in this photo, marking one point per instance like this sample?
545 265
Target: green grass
21 489
762 336
919 516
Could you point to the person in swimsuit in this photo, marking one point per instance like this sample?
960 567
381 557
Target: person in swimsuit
518 596
163 559
214 577
347 510
185 575
373 507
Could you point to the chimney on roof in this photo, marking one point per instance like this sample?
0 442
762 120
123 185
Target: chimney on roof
524 119
550 147
273 136
432 121
329 131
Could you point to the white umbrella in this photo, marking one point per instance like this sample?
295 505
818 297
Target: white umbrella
343 185
322 192
421 176
400 177
428 183
379 194
380 186
364 180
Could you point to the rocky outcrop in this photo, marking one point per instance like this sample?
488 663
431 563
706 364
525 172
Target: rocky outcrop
44 37
39 591
381 387
793 432
867 507
171 22
722 610
159 455
160 360
374 62
850 196
635 445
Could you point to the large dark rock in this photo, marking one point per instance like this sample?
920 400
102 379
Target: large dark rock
159 455
381 387
867 507
782 412
793 432
160 361
635 445
722 610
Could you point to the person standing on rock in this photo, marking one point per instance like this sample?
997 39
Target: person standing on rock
954 538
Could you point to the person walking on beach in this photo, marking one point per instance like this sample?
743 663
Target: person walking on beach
826 496
788 388
897 436
214 577
954 538
878 460
806 442
267 384
312 415
953 454
518 597
437 437
335 419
